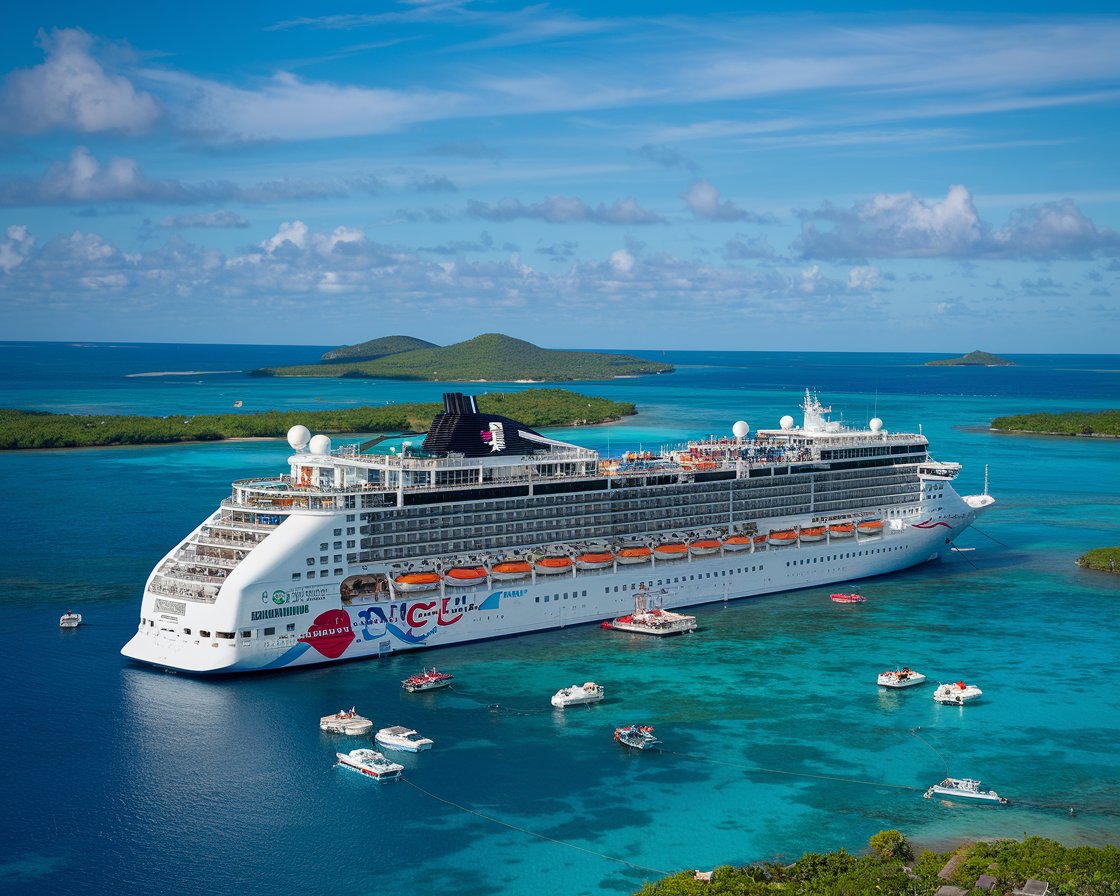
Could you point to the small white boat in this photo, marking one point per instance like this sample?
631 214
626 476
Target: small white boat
640 737
371 764
345 721
956 694
966 788
649 618
900 678
428 680
588 692
70 619
401 738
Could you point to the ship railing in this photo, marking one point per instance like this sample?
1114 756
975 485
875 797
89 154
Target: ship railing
199 595
193 558
237 544
170 572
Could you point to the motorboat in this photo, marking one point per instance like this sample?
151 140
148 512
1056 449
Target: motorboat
957 694
841 530
671 550
428 680
700 547
400 738
640 737
371 764
345 721
577 694
780 537
737 543
847 598
966 788
904 677
650 618
70 619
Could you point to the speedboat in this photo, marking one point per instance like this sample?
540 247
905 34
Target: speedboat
70 619
900 678
401 738
956 694
640 737
428 680
577 694
345 721
842 598
964 787
371 764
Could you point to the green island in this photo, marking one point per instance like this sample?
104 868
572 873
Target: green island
972 359
373 349
533 407
1103 559
1068 423
491 357
889 869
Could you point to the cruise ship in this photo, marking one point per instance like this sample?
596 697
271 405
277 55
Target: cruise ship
490 529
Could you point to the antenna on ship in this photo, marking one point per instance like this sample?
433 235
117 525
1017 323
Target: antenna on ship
985 479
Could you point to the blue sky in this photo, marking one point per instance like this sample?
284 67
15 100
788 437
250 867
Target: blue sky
662 176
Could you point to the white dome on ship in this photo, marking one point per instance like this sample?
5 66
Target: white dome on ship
876 424
740 429
299 436
320 444
786 422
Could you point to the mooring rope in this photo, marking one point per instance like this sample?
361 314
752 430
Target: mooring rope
914 732
986 535
545 837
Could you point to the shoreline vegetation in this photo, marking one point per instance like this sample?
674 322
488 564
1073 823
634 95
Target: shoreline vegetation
21 430
1101 559
491 357
890 869
1103 424
973 359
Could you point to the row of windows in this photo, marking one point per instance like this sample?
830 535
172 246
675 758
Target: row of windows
847 556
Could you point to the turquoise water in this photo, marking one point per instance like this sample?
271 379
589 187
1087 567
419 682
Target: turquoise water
777 740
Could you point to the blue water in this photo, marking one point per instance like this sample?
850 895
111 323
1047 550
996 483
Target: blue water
124 779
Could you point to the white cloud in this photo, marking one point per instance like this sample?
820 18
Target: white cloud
704 200
863 277
72 91
622 261
294 233
15 247
563 210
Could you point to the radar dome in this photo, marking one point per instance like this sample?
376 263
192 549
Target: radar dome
320 444
298 437
786 422
740 429
876 424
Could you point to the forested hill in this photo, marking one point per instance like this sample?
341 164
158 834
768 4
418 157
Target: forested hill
376 348
491 357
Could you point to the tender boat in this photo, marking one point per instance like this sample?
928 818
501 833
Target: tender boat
650 618
70 619
956 694
553 564
508 570
401 738
640 737
847 598
345 722
428 680
900 678
588 692
417 581
737 543
633 553
964 787
371 764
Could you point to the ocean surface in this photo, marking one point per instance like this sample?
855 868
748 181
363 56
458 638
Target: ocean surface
124 779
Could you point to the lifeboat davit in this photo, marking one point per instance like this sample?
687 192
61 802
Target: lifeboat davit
737 542
702 546
813 533
671 550
416 581
781 537
870 527
465 576
553 564
507 570
841 530
633 553
596 559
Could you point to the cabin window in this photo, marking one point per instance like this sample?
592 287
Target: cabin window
338 572
186 631
311 574
269 631
310 561
337 532
202 633
228 636
291 626
296 576
247 634
322 546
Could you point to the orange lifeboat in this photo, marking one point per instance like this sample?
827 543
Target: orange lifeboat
416 581
553 564
870 527
511 569
781 537
813 533
671 550
465 576
841 530
633 553
759 540
594 559
701 546
736 542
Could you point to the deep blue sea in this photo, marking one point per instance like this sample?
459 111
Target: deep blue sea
124 779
